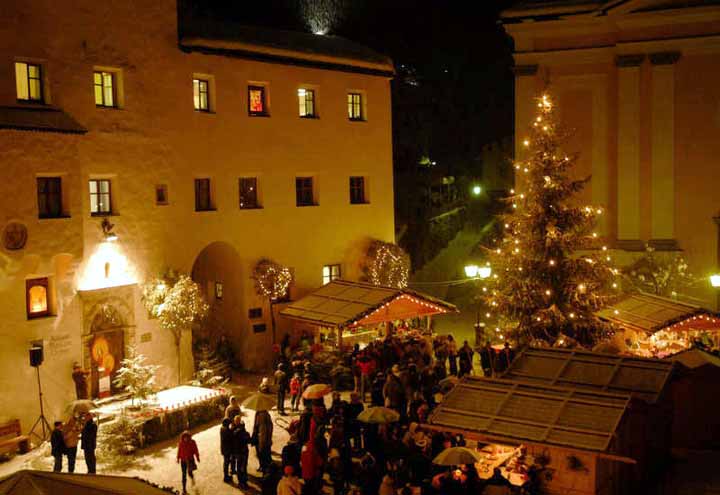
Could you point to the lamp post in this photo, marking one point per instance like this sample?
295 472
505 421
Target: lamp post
475 272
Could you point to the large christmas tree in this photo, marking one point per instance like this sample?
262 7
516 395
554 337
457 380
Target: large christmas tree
551 274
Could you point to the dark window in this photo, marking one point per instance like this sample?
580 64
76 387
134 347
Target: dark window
49 191
105 89
355 110
330 273
161 194
259 327
36 297
357 190
201 95
28 82
248 193
202 195
306 101
256 100
100 197
304 195
254 313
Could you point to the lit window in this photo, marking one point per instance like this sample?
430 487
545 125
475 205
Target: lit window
49 193
357 191
37 297
248 193
304 194
330 273
28 82
256 100
355 106
306 101
201 94
218 290
100 197
203 200
104 89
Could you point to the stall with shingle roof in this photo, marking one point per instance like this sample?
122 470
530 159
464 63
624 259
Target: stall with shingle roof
645 379
582 436
344 305
658 326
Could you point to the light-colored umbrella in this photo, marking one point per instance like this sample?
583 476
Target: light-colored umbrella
27 482
259 402
379 415
82 406
455 456
317 391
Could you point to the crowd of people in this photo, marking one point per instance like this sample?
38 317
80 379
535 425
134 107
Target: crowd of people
331 446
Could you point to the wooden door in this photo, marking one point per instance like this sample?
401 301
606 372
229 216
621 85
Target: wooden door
107 350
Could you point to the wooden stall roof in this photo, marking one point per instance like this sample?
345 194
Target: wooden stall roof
516 412
643 378
341 303
695 358
649 313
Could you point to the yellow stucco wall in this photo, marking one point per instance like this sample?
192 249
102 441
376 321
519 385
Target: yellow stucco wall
157 138
648 133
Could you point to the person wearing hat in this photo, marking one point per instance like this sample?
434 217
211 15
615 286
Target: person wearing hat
232 409
79 376
289 483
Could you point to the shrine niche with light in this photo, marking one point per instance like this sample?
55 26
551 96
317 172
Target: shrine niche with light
37 299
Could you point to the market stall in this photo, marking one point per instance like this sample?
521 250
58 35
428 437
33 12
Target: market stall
342 313
576 440
654 326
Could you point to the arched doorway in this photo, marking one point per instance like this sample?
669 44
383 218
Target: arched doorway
106 349
219 273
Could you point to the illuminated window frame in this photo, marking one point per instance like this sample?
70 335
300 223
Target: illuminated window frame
103 199
330 273
263 112
42 282
355 103
307 103
201 94
105 85
33 83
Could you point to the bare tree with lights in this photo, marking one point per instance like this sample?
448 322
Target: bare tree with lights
550 273
272 281
386 264
178 304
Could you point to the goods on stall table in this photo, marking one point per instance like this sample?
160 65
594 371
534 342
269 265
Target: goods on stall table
513 463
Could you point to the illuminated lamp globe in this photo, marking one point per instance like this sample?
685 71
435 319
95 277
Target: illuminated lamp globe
471 271
484 271
476 190
715 280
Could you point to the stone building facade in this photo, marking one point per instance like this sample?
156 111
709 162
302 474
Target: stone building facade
638 82
204 153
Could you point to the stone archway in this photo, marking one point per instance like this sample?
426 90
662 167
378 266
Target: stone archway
218 271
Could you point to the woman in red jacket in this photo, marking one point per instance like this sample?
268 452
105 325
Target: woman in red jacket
187 454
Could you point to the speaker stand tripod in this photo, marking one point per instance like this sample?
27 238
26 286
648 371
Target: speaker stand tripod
41 422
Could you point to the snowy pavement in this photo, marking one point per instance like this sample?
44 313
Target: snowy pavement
157 463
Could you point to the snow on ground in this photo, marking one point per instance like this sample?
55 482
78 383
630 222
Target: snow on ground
157 463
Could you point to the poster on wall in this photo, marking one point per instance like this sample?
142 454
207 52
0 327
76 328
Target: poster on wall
103 383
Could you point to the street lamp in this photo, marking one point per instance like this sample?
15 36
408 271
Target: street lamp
484 271
471 271
475 272
476 190
714 280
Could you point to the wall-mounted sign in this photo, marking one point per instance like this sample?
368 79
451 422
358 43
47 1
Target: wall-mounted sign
14 236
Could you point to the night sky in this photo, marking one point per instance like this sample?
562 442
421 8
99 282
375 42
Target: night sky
454 87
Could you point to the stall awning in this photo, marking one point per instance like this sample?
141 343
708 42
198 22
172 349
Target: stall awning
342 304
507 411
643 378
649 314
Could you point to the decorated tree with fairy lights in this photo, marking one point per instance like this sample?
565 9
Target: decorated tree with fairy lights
272 281
386 264
551 274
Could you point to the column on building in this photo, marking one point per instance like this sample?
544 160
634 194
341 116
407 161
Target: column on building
662 223
628 176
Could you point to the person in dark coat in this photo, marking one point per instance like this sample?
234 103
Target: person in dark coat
506 357
88 439
497 479
262 439
487 353
352 425
376 390
282 383
57 444
466 356
226 448
452 355
290 454
394 392
240 450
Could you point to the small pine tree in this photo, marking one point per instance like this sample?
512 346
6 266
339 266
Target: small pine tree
136 377
550 274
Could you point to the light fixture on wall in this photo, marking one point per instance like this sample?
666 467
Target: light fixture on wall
715 280
107 229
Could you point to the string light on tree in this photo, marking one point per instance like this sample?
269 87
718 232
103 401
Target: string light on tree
557 296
